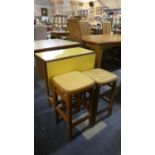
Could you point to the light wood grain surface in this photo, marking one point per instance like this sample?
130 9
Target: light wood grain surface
102 39
52 44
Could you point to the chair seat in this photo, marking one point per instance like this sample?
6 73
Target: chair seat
72 82
100 76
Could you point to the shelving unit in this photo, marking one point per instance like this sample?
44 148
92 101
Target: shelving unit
60 21
82 13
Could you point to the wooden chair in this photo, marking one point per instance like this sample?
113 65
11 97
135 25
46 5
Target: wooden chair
112 54
70 87
84 27
40 32
77 28
102 78
107 27
74 29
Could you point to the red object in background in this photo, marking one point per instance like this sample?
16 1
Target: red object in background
49 28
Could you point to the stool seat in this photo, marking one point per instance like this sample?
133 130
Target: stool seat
72 82
100 76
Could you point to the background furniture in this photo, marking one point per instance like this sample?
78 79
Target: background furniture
76 6
59 33
60 22
84 27
77 28
107 27
40 32
111 59
74 29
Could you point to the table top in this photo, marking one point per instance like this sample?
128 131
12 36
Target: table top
50 44
62 54
102 39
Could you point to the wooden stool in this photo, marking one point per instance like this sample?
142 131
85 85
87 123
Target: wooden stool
67 87
102 78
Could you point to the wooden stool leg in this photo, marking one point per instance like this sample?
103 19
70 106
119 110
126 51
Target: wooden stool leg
69 117
55 100
111 98
91 108
95 105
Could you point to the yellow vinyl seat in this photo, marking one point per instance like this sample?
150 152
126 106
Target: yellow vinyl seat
70 88
102 78
72 82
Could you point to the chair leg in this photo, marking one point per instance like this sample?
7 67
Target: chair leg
69 115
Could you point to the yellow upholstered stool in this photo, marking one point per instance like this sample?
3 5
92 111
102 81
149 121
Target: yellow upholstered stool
70 87
102 78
